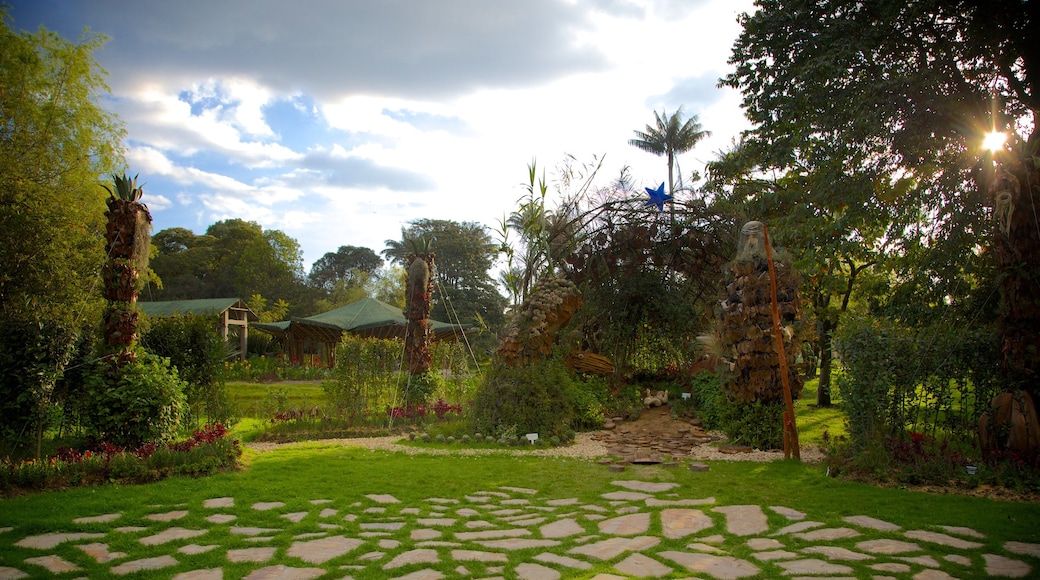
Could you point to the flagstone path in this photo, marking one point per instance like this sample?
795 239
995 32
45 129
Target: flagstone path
639 529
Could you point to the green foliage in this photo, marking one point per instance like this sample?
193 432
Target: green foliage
33 357
757 424
670 136
366 371
194 348
55 140
538 398
935 380
416 389
144 404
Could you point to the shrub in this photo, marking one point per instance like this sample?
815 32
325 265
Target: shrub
366 369
535 398
416 389
193 346
142 403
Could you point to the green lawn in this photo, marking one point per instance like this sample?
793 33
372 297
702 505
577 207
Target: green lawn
260 400
345 476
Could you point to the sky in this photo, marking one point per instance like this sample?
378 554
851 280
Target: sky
340 121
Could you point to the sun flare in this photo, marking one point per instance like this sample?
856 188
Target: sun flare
994 141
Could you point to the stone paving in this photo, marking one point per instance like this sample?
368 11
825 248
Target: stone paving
636 529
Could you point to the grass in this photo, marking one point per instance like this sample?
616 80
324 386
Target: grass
260 400
297 474
814 421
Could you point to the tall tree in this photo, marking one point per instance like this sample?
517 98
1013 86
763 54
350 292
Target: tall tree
670 136
346 265
465 252
897 95
55 143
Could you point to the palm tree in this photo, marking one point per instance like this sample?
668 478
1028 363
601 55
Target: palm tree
670 137
128 238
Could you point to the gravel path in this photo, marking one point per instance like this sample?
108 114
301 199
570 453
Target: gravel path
584 447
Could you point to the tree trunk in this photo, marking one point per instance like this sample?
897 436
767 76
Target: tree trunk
823 389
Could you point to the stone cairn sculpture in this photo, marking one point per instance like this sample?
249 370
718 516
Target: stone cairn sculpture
744 328
533 331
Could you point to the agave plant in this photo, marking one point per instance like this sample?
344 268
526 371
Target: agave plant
125 189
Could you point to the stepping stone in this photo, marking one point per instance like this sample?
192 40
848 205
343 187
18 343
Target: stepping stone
627 525
447 522
492 534
1001 566
550 558
309 535
129 529
894 567
887 547
425 534
764 544
679 523
519 490
613 547
516 502
942 539
926 561
828 534
282 572
251 554
933 575
49 541
383 498
625 495
645 486
872 523
699 547
192 549
744 520
53 564
698 466
962 531
528 571
169 535
329 512
813 567
387 526
1023 548
518 544
319 501
167 517
419 556
642 566
295 517
478 556
441 500
798 527
102 519
371 556
322 550
775 555
211 574
156 563
836 553
721 567
427 575
219 502
263 506
788 512
654 502
7 573
100 553
562 502
479 524
561 529
252 531
958 559
221 518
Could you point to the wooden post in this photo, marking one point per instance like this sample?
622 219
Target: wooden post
790 429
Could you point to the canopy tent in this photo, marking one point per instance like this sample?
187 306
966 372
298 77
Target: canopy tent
232 312
367 317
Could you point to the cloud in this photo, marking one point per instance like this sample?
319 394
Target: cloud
332 48
692 93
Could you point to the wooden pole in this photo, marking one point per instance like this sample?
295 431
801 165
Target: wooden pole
790 429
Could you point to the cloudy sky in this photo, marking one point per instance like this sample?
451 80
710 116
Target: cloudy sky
339 121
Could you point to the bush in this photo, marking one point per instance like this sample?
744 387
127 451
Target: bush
142 403
935 379
758 424
366 369
536 398
193 346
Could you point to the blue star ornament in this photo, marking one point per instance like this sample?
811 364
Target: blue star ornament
657 197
